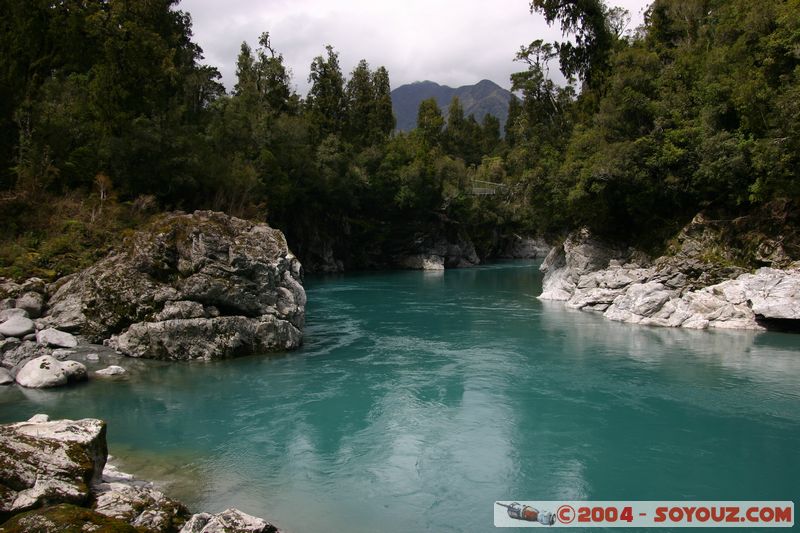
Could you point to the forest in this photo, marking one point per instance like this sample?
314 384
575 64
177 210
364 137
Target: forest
108 116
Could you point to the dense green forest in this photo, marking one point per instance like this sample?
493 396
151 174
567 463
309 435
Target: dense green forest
107 116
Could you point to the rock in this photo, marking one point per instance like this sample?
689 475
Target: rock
207 339
140 505
5 377
64 518
640 301
9 344
773 293
32 302
184 309
9 313
112 370
93 357
63 464
20 353
49 462
7 303
29 337
62 353
161 279
17 326
524 248
674 291
53 337
228 521
423 262
441 249
47 371
580 254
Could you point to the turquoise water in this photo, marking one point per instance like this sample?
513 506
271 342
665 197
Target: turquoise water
421 398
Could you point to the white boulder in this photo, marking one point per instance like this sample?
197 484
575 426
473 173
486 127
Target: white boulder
47 371
54 337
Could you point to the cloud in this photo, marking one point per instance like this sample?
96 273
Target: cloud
453 42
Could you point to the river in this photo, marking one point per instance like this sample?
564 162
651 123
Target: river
420 398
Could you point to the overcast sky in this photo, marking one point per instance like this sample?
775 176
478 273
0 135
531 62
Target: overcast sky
452 42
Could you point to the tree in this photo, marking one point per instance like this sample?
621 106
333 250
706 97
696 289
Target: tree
430 122
586 21
382 121
361 105
326 99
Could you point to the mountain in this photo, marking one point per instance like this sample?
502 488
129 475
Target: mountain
485 97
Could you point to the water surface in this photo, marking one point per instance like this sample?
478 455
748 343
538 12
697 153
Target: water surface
421 398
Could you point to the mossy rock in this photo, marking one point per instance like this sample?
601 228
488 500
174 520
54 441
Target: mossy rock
64 518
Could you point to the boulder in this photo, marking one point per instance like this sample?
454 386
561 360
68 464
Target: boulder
59 469
17 326
47 371
9 313
773 293
206 338
228 521
139 505
65 518
580 254
5 377
519 247
423 262
16 353
53 337
62 353
204 274
49 462
184 309
32 302
443 248
112 370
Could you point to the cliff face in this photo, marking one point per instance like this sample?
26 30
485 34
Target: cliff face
690 288
190 286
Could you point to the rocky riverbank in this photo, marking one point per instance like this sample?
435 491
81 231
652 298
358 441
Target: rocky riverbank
684 289
55 476
195 286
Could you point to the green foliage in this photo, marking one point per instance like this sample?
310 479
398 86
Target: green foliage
699 110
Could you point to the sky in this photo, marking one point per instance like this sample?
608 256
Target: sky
451 42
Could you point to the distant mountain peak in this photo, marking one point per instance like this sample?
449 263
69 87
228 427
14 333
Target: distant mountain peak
480 99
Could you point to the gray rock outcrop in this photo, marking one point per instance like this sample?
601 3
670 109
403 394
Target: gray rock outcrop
44 462
675 291
138 503
518 247
227 521
190 286
54 477
64 518
428 253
